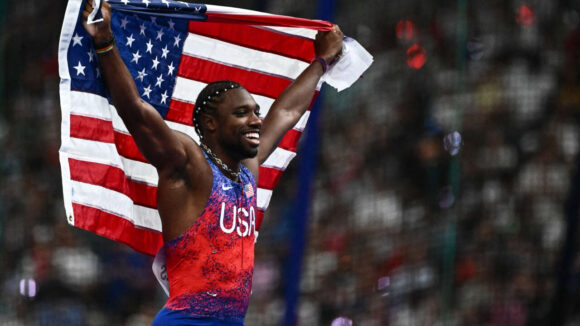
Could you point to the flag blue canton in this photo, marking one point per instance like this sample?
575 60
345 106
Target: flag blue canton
168 8
151 48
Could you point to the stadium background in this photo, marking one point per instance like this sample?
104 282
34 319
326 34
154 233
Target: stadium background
404 228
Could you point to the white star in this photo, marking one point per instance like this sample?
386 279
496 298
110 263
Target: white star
77 40
171 23
159 81
146 2
165 2
142 29
98 72
90 53
159 35
155 63
177 40
136 57
125 1
149 47
80 69
164 97
147 91
130 41
165 51
124 21
154 20
142 74
170 67
185 3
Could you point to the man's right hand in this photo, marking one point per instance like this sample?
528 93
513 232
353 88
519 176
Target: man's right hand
100 32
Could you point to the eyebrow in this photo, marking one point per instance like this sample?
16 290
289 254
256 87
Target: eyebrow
247 107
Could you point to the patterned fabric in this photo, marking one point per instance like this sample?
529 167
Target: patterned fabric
210 266
168 317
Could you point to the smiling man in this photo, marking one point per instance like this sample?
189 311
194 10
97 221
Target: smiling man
207 194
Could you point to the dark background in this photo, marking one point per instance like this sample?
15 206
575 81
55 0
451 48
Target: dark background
403 230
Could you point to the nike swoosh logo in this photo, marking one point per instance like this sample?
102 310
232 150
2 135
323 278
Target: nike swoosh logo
226 188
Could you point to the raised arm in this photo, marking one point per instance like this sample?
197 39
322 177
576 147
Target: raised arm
158 143
294 101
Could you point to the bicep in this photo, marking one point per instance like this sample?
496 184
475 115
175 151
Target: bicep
274 126
158 143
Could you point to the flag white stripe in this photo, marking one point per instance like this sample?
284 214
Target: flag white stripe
186 90
295 31
263 198
115 203
279 159
233 11
235 55
106 153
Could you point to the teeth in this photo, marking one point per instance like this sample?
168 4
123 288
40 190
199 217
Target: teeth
253 135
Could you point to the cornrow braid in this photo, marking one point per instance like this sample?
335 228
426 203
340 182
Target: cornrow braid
208 99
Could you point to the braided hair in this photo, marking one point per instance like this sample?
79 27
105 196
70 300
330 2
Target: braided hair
207 100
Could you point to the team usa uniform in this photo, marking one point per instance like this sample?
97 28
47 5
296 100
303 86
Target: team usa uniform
210 266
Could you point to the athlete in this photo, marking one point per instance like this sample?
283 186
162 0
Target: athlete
207 194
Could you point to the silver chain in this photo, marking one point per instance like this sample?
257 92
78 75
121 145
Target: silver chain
216 160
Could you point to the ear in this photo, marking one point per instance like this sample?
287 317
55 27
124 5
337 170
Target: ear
209 121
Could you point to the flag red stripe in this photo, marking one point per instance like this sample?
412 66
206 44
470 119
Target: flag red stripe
269 20
117 228
102 130
180 112
91 128
259 218
255 82
290 140
269 177
113 178
127 147
257 38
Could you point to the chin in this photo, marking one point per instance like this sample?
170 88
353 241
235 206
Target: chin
251 153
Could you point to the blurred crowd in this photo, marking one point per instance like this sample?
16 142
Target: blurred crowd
439 194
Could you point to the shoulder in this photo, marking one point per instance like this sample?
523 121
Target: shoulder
195 167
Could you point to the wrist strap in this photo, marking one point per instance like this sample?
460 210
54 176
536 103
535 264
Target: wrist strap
106 46
323 62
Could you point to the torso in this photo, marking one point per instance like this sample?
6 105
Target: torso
210 265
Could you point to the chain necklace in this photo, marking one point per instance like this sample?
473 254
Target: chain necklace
216 160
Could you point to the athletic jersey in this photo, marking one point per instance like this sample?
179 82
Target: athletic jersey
210 266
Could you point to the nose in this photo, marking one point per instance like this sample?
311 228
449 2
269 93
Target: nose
255 120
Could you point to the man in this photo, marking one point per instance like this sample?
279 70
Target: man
207 194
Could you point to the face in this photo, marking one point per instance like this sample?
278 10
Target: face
239 123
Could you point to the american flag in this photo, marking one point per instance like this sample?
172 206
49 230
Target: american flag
173 49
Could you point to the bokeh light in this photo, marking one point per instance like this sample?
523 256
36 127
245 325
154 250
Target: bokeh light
341 321
525 16
405 29
452 143
28 287
416 56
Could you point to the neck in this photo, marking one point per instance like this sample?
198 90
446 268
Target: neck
229 166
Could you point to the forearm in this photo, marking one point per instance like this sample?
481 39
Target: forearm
296 99
288 109
121 86
155 140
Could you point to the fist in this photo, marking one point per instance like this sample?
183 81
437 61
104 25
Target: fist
328 44
101 31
